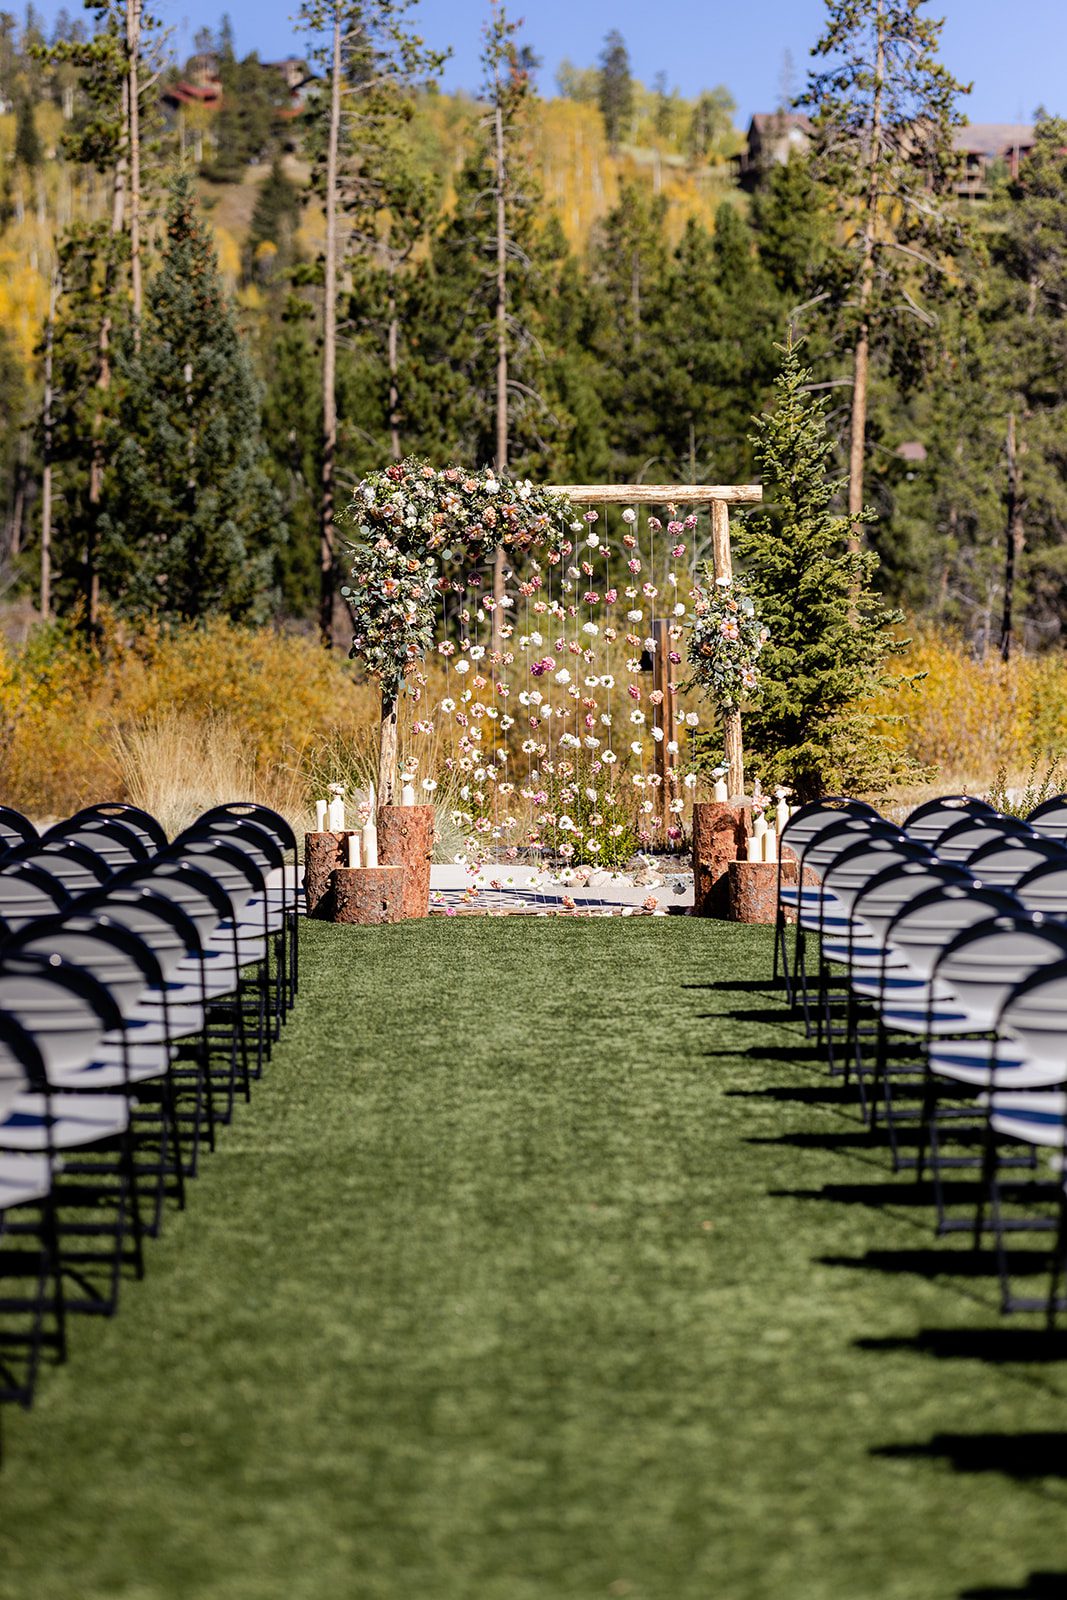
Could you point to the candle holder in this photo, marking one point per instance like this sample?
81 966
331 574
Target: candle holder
369 896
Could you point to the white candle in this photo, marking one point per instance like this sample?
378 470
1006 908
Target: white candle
755 848
781 811
720 791
407 795
320 816
759 825
370 844
337 815
770 845
353 849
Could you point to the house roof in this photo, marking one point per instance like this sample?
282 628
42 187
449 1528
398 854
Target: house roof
779 121
992 138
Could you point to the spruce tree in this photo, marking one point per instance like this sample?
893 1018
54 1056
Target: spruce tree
193 519
616 87
830 636
27 139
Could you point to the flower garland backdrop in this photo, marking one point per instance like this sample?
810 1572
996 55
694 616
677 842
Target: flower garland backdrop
535 721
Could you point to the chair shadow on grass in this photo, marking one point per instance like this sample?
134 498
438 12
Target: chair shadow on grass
1014 1455
941 1263
998 1346
1038 1586
906 1192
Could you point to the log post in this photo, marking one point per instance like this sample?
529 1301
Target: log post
387 746
405 839
323 854
724 568
720 837
369 896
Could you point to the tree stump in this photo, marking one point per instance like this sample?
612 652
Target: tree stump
405 839
720 836
369 895
323 854
751 889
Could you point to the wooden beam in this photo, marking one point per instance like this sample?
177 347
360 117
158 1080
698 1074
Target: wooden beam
659 494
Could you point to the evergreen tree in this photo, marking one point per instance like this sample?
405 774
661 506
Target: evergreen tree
193 520
270 250
712 118
27 141
885 110
794 232
830 635
616 89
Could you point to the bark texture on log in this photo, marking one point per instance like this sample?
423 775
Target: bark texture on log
369 895
323 854
752 891
405 839
720 836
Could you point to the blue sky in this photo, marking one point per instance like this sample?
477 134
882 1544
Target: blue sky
1014 53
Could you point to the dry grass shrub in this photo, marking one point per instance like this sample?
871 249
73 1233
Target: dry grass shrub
208 712
972 718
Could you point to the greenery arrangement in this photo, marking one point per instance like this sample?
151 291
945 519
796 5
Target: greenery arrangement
727 640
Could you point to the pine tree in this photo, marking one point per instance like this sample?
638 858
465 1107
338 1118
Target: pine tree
794 233
616 94
885 110
830 635
192 520
275 218
27 139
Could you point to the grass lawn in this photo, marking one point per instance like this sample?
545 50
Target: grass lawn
544 1266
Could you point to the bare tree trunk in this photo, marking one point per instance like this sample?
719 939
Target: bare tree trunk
18 508
46 470
501 355
329 350
133 94
1014 537
394 367
387 748
862 353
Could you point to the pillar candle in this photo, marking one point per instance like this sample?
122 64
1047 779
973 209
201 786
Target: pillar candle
353 849
320 816
370 844
755 848
336 815
720 791
759 825
407 795
770 845
781 811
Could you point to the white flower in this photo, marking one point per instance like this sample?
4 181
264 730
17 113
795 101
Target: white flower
529 746
509 722
646 805
609 758
605 719
592 540
633 616
677 806
672 745
429 784
591 742
691 719
524 697
572 573
591 683
448 705
476 652
690 780
637 716
650 643
722 583
637 747
629 515
575 527
566 823
535 697
462 666
523 641
563 676
608 681
590 627
657 734
638 781
571 740
679 610
491 486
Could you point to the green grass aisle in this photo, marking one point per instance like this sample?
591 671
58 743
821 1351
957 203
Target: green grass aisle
543 1267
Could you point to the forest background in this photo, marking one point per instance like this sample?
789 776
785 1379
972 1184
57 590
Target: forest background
652 275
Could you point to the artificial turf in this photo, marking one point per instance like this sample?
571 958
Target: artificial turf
544 1265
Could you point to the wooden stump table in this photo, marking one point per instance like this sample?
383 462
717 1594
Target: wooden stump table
369 895
405 839
720 837
323 854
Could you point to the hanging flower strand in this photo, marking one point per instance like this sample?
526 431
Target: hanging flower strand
726 641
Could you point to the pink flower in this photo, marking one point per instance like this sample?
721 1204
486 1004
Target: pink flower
610 596
633 564
539 668
678 550
655 524
649 903
675 528
592 516
633 691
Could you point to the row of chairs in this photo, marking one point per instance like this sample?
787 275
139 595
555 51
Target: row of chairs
929 960
143 984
